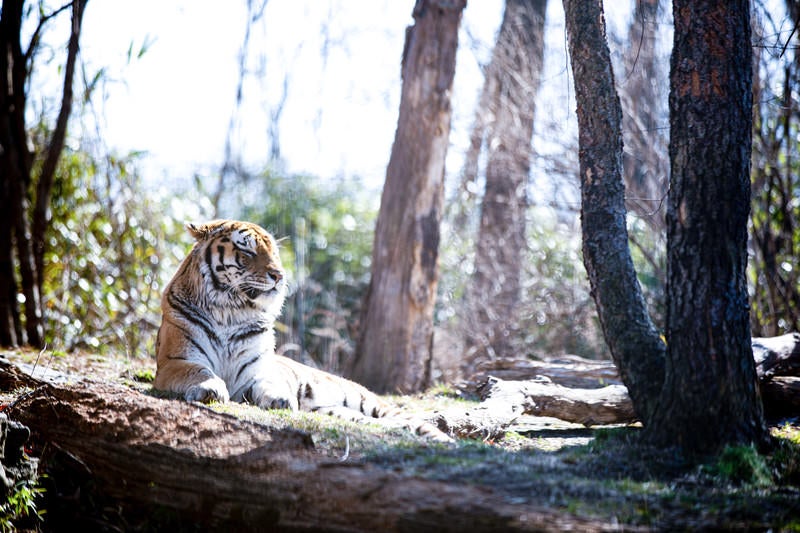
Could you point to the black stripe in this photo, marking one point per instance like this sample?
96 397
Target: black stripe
221 266
246 251
183 268
237 259
248 333
214 279
189 337
245 365
193 314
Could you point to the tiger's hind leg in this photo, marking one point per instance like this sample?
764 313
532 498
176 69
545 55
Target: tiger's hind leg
270 391
345 413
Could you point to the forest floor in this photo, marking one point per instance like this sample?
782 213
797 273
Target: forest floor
603 476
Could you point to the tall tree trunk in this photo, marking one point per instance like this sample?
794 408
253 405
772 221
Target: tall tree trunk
645 161
711 396
44 185
15 162
394 348
632 338
512 81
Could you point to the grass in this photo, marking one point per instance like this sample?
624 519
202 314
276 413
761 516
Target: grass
333 437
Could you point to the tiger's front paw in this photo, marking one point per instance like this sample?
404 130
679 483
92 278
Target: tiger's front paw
210 390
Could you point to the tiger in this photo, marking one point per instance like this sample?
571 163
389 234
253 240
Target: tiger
216 341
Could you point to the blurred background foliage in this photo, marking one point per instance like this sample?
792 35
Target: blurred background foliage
110 251
325 230
117 237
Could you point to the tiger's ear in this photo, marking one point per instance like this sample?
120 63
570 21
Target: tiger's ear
198 231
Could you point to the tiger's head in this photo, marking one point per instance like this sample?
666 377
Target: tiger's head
239 264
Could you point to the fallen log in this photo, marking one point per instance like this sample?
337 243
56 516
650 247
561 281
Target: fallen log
214 471
777 356
590 407
781 396
590 392
505 403
567 370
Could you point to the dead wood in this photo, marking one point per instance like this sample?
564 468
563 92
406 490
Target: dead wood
590 392
567 370
781 396
777 356
606 405
570 388
213 470
505 404
216 471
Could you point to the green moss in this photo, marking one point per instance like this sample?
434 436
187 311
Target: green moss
144 375
788 432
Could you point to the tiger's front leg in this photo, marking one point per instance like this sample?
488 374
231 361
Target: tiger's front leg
210 390
195 382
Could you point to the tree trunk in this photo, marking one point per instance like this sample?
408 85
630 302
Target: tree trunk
711 396
15 162
635 345
19 164
645 160
394 348
512 81
44 185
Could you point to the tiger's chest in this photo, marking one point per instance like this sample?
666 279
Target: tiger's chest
239 344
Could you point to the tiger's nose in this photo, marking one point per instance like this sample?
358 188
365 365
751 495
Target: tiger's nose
275 274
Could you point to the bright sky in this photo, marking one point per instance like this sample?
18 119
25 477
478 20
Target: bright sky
177 100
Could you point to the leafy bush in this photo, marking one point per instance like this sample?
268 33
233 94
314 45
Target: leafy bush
21 506
111 249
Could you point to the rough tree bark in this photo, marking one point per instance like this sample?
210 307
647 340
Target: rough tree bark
635 345
394 347
15 161
511 84
711 395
